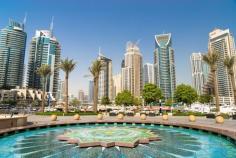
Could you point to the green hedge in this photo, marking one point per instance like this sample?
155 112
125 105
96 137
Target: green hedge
68 114
175 113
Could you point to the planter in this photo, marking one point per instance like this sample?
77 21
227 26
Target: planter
120 116
53 117
191 118
143 116
130 114
76 117
234 117
112 114
165 117
219 119
212 116
99 116
152 114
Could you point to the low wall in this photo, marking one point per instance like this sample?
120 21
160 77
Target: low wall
13 122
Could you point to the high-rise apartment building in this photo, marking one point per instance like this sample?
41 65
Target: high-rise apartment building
148 73
222 41
81 96
12 54
132 70
164 65
199 72
60 91
91 91
116 84
44 49
105 78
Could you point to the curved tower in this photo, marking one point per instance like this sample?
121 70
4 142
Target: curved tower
164 65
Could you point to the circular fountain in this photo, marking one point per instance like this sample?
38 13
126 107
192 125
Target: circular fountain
108 137
172 142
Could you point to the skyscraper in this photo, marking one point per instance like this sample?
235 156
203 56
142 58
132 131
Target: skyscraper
132 70
199 72
105 78
12 54
60 91
164 65
222 41
44 49
90 93
81 96
116 84
148 73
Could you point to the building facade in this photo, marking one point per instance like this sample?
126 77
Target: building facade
132 70
200 72
164 65
148 73
44 49
222 41
116 85
91 91
12 55
60 91
81 96
105 78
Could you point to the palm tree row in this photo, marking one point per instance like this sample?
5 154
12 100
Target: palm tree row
45 71
68 66
211 58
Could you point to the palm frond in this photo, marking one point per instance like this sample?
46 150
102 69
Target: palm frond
96 68
211 58
67 65
44 70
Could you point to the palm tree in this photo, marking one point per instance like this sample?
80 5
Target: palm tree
211 59
95 70
229 64
44 71
67 66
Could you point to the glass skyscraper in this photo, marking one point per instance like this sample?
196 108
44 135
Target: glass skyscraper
12 54
148 76
105 78
164 65
200 72
222 41
44 49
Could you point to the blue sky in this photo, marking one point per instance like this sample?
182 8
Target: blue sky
83 26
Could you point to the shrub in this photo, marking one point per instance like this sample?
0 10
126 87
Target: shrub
68 114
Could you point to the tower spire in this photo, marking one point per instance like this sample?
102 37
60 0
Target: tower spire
51 26
99 51
24 20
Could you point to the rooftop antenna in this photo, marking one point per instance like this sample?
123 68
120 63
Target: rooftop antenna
99 51
24 20
137 42
51 26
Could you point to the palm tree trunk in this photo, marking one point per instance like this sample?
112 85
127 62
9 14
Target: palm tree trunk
66 92
216 91
43 95
233 86
95 95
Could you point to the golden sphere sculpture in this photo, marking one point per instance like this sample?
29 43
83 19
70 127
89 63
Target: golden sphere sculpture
53 117
76 117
